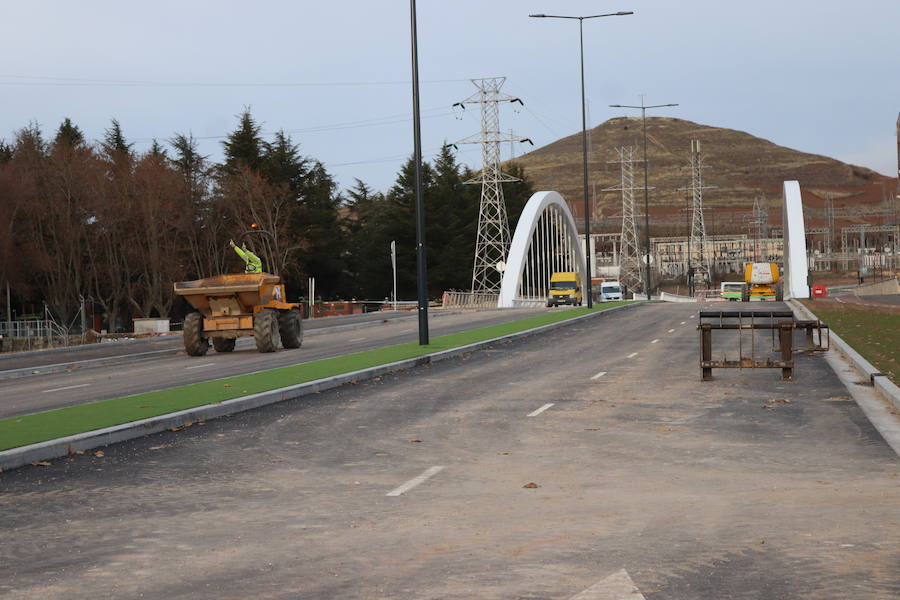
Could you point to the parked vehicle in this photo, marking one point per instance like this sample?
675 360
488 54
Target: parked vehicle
732 290
565 288
610 291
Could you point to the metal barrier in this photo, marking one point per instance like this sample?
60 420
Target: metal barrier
781 321
469 300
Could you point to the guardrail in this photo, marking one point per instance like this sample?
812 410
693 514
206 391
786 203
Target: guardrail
469 300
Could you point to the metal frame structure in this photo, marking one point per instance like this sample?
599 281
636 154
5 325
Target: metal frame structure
492 243
698 226
629 255
781 321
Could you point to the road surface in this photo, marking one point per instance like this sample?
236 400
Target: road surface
585 463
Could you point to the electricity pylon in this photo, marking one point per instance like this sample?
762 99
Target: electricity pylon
629 255
492 243
698 227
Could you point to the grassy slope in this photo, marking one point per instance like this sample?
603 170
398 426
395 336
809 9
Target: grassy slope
39 427
875 335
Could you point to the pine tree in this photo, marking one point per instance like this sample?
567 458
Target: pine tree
368 248
244 145
188 160
114 147
69 134
157 150
282 163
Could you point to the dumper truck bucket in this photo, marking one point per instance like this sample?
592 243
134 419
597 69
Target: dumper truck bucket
249 290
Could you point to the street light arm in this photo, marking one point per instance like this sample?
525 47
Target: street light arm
615 14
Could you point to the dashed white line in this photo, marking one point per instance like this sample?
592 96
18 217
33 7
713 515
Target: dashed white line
683 322
671 331
692 316
632 355
428 474
200 366
357 339
654 341
68 387
599 375
540 410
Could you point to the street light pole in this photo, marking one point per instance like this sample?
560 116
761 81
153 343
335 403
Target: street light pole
421 268
647 286
584 148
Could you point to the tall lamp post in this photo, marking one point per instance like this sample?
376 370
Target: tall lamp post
421 268
646 189
584 151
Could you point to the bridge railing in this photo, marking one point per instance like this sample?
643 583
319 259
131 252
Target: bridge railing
469 300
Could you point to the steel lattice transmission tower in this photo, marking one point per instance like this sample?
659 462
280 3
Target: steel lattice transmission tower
760 221
492 243
698 227
629 255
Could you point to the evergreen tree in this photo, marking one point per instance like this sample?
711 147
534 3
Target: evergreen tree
114 147
283 164
69 134
188 160
400 217
244 145
157 150
315 226
6 152
368 249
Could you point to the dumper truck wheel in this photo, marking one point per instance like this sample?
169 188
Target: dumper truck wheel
194 344
223 344
290 326
265 330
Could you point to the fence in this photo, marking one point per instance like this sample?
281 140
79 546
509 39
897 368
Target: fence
32 334
469 300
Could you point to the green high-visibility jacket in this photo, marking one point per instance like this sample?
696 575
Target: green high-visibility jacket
253 262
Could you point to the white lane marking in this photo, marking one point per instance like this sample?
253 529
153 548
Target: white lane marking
617 586
68 387
540 410
200 366
632 355
429 473
683 322
599 375
357 339
654 341
671 331
692 316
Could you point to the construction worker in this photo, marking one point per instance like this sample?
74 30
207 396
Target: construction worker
252 261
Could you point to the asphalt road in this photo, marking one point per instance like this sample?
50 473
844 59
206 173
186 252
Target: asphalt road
578 461
146 347
145 372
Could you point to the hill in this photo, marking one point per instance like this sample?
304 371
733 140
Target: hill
740 165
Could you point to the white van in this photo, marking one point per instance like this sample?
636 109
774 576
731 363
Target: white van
610 290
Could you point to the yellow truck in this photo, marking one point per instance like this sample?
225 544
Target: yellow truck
565 288
762 282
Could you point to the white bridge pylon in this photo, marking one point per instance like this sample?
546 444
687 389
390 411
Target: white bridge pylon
545 242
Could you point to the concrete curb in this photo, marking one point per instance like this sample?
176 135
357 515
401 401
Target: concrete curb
887 388
17 457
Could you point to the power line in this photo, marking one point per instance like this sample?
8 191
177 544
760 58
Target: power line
44 81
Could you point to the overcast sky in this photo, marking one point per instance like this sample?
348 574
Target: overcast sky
821 76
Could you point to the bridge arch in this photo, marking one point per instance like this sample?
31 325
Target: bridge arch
545 241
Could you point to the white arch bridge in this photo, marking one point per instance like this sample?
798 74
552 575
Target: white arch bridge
545 242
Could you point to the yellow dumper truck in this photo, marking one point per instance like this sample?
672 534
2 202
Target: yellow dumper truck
762 281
